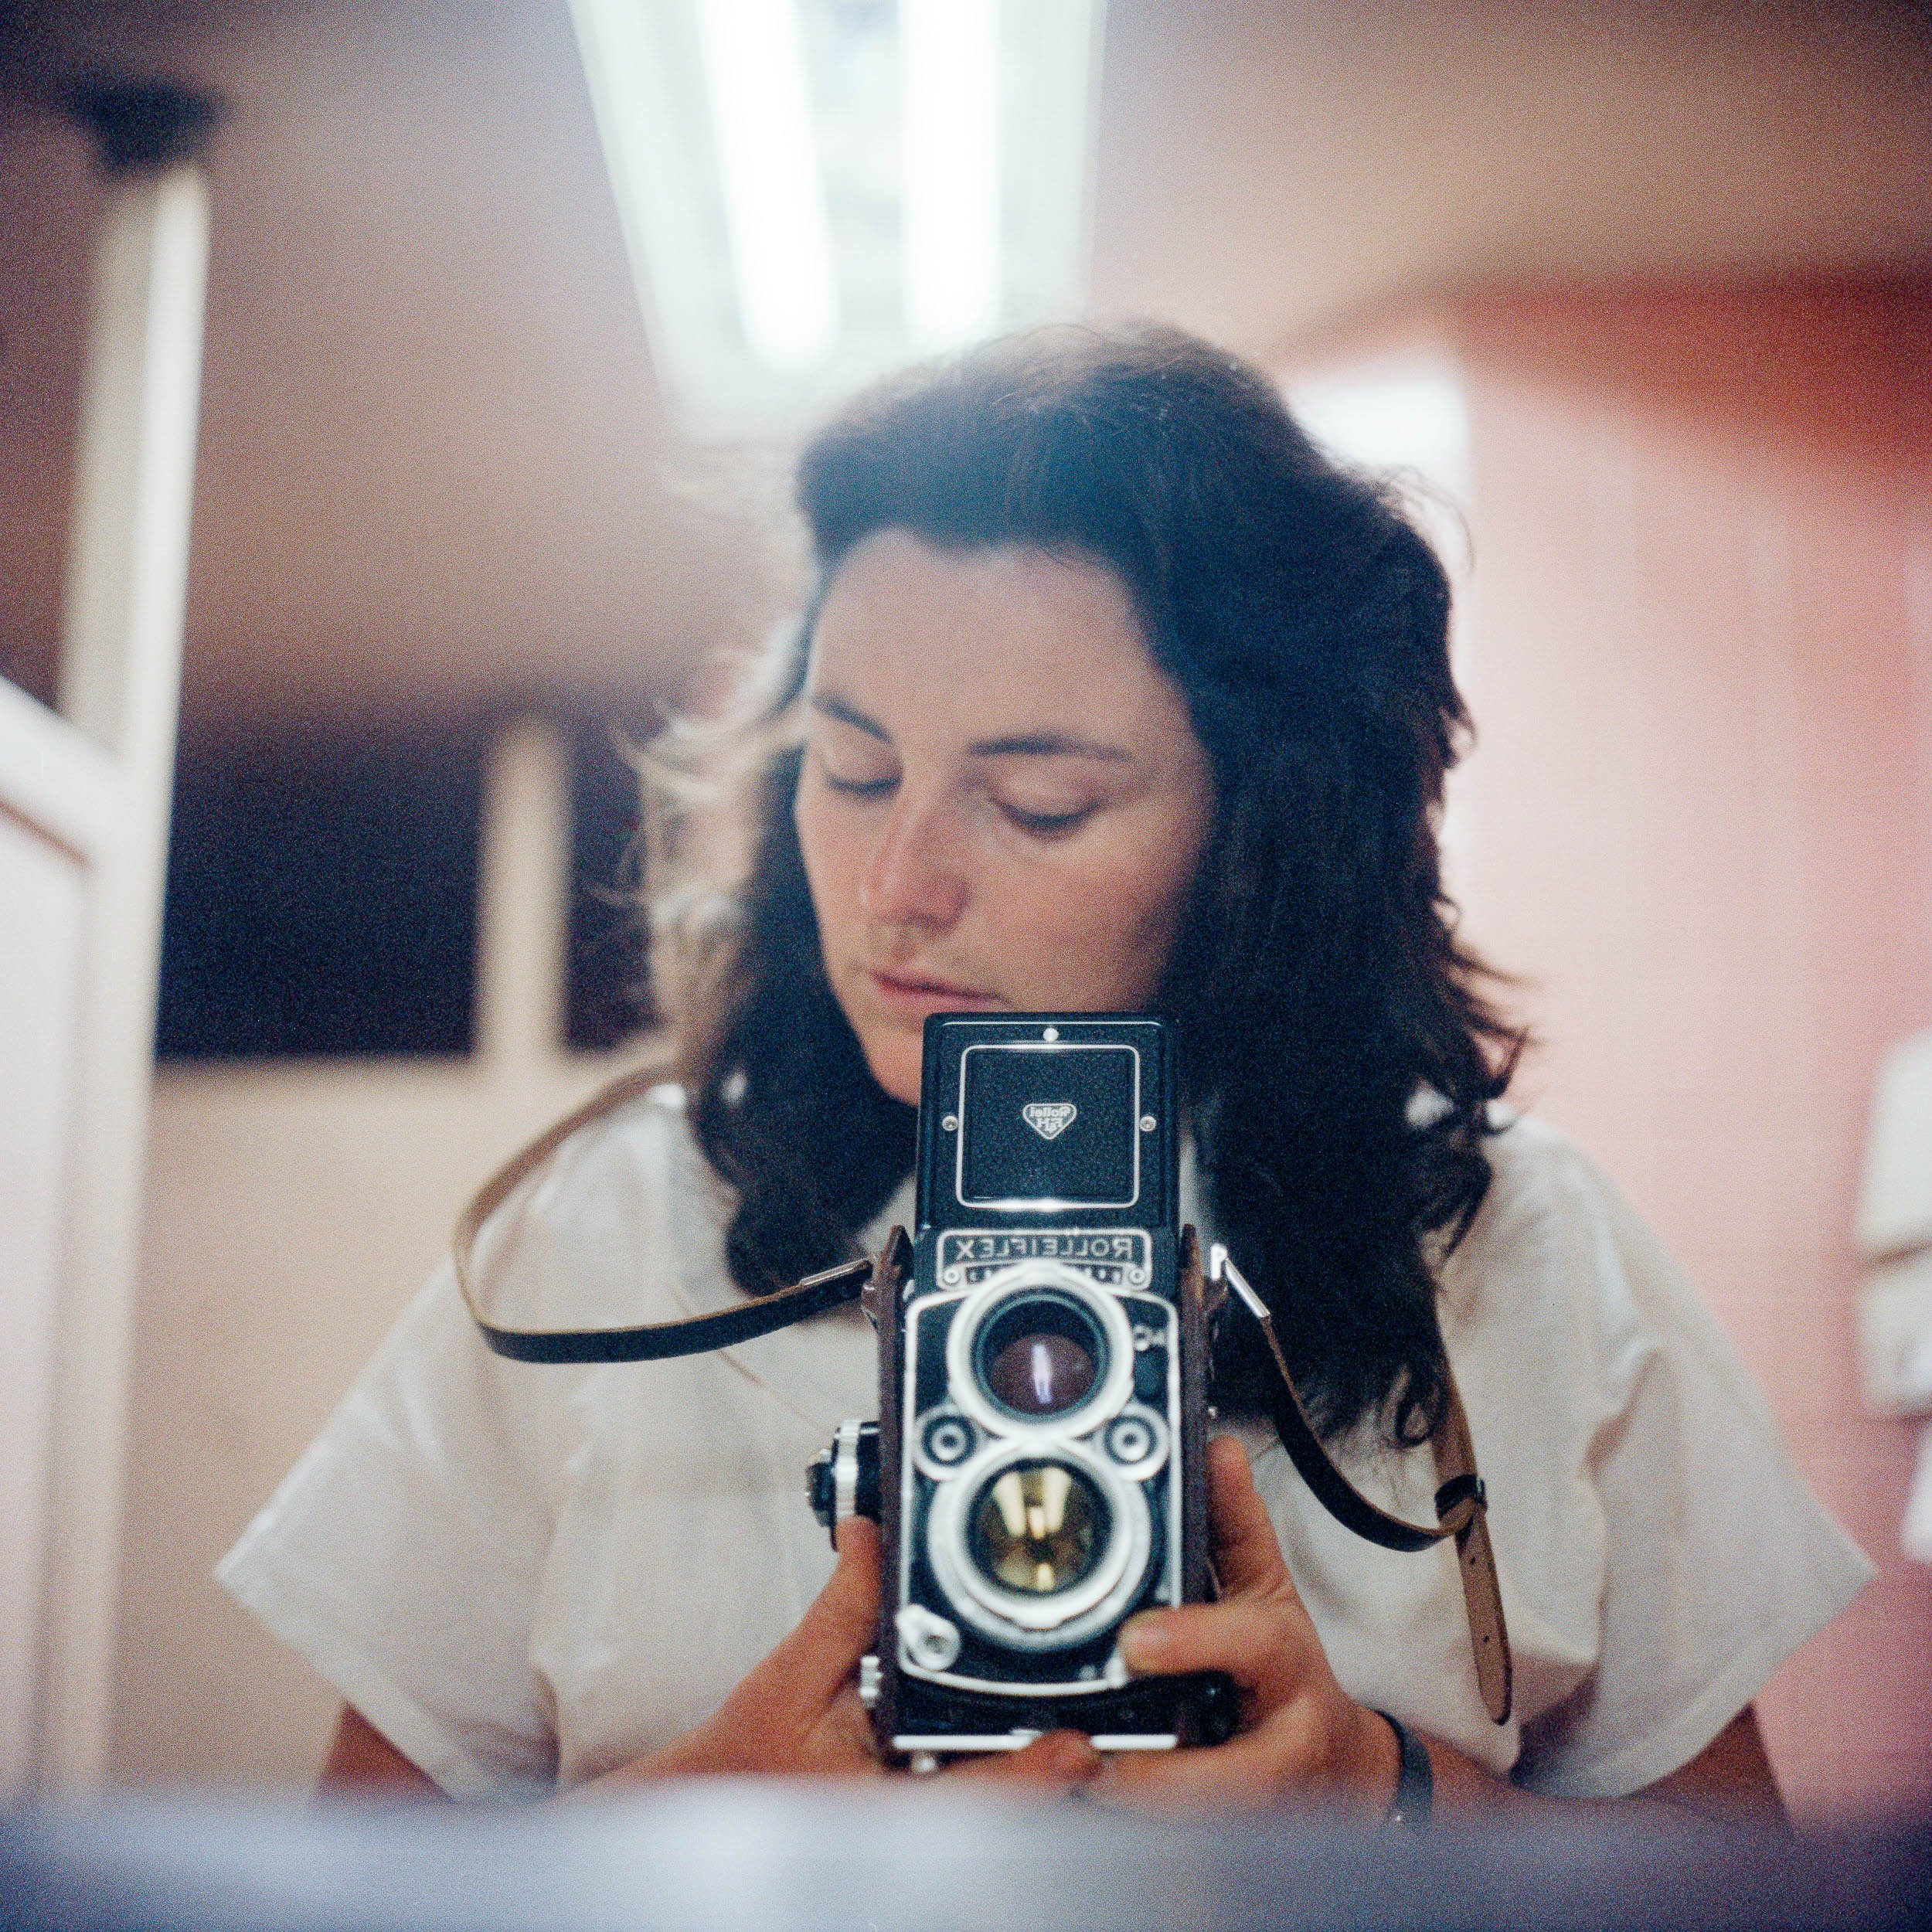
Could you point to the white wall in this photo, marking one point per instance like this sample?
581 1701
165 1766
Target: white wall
43 890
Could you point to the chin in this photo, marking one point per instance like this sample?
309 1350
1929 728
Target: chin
896 1063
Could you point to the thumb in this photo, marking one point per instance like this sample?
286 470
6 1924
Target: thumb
1247 1555
842 1620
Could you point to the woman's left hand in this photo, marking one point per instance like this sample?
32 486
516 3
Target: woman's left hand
1301 1736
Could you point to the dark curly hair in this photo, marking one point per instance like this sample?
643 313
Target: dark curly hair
1339 1049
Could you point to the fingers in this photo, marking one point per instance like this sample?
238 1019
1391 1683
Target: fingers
1268 1647
1240 1775
856 1539
840 1625
1247 1554
1320 1744
1058 1761
855 1531
843 1742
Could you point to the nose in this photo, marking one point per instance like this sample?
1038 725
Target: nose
914 878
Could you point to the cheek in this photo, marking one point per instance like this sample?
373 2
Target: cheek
1101 937
828 859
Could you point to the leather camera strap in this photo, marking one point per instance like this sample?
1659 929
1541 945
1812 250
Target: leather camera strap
1461 1502
1460 1499
696 1334
654 1341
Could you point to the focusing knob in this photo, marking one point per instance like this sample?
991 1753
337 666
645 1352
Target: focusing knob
818 1488
843 1480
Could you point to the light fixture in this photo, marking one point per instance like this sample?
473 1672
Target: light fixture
774 199
814 191
950 200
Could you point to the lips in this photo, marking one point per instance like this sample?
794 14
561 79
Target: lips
906 989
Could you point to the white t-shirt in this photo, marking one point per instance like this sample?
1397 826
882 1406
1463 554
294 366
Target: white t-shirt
520 1573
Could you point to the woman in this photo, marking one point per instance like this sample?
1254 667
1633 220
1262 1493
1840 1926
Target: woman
1114 694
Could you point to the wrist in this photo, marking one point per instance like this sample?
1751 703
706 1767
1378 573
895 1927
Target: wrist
1377 1758
1413 1798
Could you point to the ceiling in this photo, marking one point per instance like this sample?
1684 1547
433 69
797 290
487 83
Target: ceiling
435 473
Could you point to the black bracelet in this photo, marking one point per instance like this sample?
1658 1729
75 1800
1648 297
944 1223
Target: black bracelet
1415 1781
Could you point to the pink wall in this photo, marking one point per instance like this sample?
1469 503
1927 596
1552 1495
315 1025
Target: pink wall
1701 825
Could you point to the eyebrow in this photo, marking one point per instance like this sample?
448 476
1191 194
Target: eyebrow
1027 744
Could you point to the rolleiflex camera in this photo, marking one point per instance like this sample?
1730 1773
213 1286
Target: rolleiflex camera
1037 1466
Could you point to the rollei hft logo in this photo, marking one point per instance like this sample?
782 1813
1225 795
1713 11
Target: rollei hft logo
1049 1119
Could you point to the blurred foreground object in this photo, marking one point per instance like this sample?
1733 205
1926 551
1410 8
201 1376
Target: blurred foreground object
1895 1239
750 1857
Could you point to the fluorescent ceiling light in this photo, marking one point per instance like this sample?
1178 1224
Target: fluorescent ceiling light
950 169
774 196
813 191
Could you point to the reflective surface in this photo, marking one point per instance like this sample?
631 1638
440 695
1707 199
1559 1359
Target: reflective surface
770 1856
1041 1356
1037 1528
1039 1375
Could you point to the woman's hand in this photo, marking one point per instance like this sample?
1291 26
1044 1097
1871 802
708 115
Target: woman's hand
1300 1735
797 1714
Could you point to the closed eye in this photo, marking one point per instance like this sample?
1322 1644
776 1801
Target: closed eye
1047 824
857 787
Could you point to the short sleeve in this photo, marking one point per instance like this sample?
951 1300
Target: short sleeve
404 1554
1716 1561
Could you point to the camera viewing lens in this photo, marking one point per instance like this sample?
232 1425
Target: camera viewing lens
1039 1375
1037 1527
1041 1355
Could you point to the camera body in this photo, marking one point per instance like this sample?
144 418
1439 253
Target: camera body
1039 1474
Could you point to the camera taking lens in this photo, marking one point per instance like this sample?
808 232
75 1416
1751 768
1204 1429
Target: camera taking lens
1036 1527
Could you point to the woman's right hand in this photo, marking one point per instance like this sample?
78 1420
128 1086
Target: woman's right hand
797 1714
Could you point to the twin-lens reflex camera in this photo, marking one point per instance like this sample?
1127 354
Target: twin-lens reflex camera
1037 1468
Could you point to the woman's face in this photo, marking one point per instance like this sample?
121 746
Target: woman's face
1002 802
